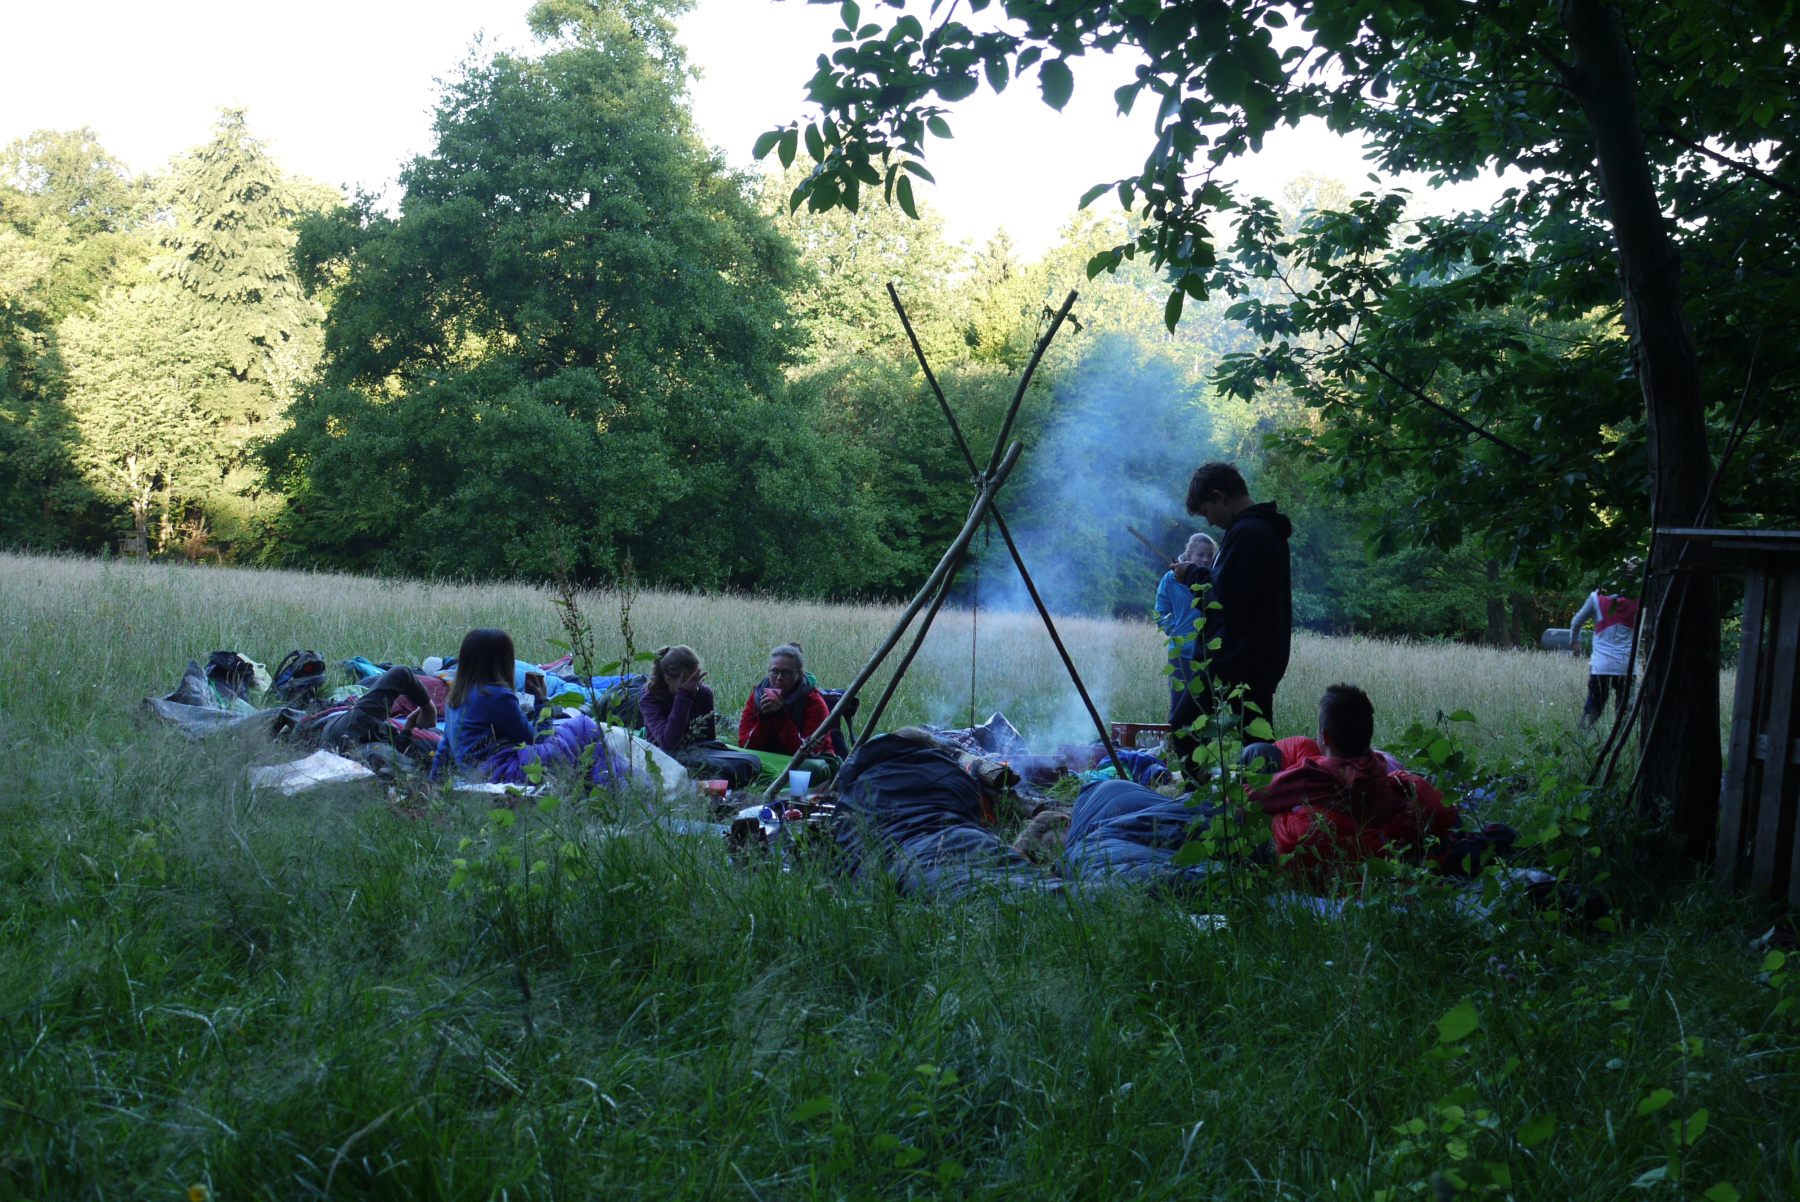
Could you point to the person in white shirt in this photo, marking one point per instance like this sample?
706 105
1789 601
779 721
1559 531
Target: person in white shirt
1615 619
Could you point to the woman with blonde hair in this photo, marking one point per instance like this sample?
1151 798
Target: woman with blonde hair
679 716
1181 615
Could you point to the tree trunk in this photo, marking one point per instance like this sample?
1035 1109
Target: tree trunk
1496 606
1679 738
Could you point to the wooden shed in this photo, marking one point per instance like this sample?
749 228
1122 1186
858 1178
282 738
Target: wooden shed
1760 798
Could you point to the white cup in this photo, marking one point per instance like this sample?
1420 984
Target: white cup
799 782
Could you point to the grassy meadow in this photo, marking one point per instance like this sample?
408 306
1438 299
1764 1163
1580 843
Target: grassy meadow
209 992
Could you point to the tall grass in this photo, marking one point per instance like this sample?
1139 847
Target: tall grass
131 627
282 999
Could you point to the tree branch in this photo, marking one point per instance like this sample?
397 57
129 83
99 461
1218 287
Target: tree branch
1754 173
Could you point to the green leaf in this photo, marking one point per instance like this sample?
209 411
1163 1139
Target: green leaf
1537 1130
903 193
850 14
1057 82
1087 198
1259 728
815 143
765 142
1462 716
812 1108
1458 1022
789 143
938 126
1172 309
1655 1101
996 72
1724 1191
908 1156
1439 751
1690 1131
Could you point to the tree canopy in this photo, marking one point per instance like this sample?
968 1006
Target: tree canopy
564 345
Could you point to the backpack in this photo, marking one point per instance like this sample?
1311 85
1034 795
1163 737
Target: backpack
230 673
618 699
299 676
838 739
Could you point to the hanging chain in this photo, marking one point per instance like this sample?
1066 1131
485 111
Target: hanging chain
987 535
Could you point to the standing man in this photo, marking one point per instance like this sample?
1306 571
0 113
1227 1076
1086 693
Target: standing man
1251 583
1615 625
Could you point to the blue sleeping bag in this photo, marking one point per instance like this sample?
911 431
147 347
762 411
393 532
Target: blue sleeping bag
909 810
1121 830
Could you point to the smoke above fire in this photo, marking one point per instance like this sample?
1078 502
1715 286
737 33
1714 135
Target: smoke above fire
1124 429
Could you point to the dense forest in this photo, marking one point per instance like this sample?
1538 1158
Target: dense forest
579 344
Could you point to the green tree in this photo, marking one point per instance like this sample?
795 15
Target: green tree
1624 113
230 247
136 370
68 212
850 257
565 345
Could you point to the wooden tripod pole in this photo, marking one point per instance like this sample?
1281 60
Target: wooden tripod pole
1162 557
984 500
893 684
1012 548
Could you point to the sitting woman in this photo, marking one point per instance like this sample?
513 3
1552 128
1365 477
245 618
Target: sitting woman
783 711
679 717
487 732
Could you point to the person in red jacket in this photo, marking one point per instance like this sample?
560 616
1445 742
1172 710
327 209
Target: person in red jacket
1337 802
783 709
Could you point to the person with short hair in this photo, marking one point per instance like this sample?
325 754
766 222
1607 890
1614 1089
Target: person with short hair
677 708
1610 667
487 731
1252 584
1337 802
783 710
1180 614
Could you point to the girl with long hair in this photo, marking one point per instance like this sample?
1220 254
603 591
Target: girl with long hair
488 733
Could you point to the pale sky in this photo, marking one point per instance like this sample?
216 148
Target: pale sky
343 92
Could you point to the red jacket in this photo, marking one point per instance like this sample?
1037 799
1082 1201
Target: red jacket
786 728
1332 812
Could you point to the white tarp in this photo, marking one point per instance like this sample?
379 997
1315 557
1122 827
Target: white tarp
297 776
639 754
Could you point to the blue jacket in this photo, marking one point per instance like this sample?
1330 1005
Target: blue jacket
489 720
1178 616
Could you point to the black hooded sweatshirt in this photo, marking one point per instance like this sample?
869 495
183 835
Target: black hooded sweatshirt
1254 588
